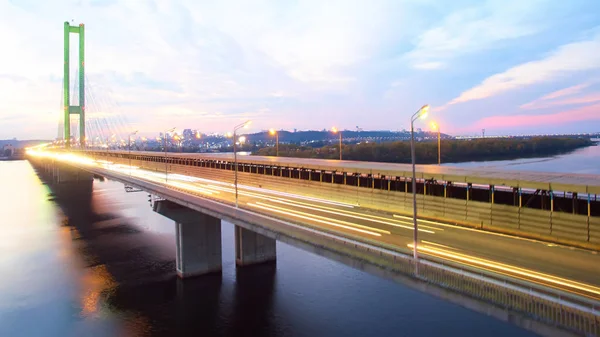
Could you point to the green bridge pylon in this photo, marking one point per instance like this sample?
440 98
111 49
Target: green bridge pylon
80 108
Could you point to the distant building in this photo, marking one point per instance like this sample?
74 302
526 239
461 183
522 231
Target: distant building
188 134
8 150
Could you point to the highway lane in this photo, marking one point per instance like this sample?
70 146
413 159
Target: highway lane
566 268
572 182
553 265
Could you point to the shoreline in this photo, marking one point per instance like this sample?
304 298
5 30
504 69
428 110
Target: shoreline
455 152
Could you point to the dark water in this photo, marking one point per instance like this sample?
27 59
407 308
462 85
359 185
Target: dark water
105 267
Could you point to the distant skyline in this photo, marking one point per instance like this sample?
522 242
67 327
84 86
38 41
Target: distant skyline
511 67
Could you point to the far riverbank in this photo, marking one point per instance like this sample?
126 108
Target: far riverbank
455 151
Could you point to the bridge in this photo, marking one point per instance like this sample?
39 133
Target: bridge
515 245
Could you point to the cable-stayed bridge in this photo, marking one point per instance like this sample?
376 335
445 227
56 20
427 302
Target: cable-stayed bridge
519 246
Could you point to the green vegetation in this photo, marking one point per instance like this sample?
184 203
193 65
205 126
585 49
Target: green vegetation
453 151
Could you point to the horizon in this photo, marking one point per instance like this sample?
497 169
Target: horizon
505 66
457 137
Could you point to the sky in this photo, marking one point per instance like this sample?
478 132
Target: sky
507 66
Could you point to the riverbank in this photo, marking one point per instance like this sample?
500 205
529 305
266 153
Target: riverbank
455 151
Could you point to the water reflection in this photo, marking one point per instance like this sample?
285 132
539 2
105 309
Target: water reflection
253 300
583 161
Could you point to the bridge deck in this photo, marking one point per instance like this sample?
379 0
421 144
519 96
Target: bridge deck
569 182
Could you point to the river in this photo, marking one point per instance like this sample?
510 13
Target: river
584 161
110 272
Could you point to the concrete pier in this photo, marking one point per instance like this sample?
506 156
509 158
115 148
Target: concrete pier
252 248
67 174
198 239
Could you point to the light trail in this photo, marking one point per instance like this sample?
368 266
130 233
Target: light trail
312 219
463 228
192 188
513 271
325 218
290 195
324 209
347 214
268 191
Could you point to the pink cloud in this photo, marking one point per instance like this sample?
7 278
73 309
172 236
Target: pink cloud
539 104
590 112
566 91
556 94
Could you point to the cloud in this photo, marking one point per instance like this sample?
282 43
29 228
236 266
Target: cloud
549 100
207 64
473 29
543 104
565 92
587 113
567 59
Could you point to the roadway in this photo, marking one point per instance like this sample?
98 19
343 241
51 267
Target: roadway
568 182
566 268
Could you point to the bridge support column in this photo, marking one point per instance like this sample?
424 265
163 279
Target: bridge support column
198 239
68 174
253 248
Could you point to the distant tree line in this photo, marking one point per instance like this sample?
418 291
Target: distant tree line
426 152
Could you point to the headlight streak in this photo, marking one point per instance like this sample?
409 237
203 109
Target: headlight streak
512 271
324 218
312 219
347 214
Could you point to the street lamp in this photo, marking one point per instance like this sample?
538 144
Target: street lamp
335 130
435 126
179 141
235 179
421 113
129 147
165 146
108 143
276 134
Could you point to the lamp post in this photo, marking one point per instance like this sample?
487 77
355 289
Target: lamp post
335 130
108 144
165 146
198 135
421 113
435 126
235 178
178 140
129 148
273 132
